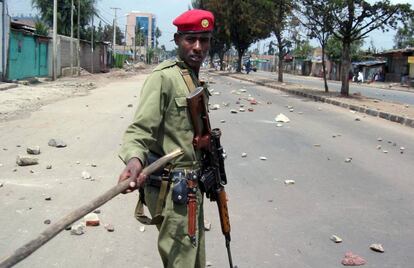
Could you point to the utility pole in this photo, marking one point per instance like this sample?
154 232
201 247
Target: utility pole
135 42
79 72
71 38
114 29
54 62
92 30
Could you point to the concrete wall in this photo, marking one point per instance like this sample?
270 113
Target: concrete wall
64 56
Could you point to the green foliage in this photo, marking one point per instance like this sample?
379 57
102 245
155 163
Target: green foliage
87 11
248 23
405 35
158 34
220 42
334 49
41 28
303 50
355 19
107 34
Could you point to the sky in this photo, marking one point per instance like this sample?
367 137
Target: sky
167 10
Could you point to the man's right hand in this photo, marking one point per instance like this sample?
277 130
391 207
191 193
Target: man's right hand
133 170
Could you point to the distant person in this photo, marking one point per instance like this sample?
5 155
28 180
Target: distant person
248 66
360 78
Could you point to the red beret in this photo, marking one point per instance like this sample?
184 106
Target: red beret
195 20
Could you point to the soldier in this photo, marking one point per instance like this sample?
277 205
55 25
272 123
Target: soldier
161 125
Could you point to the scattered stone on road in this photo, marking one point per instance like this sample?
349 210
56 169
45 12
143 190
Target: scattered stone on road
282 118
250 110
379 139
1 184
351 259
142 228
377 248
264 158
288 182
348 160
91 219
35 150
57 143
97 211
207 225
209 264
130 105
379 147
215 107
242 110
47 222
26 161
109 227
48 198
279 125
385 152
233 111
317 145
49 167
78 229
222 121
244 155
68 228
86 175
336 239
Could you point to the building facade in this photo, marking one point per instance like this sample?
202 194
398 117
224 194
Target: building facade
146 22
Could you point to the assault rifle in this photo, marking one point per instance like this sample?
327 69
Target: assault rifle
213 176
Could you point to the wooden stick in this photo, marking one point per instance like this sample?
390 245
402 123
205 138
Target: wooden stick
27 249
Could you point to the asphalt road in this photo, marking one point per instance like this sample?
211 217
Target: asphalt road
390 95
368 200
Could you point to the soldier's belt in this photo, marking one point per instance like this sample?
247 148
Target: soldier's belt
156 180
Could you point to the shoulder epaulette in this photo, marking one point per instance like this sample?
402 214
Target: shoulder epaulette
165 64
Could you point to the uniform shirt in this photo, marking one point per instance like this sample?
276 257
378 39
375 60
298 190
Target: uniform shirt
162 123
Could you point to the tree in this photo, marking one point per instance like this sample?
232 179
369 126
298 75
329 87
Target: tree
157 35
303 49
220 42
355 19
87 11
334 49
41 28
108 34
281 19
405 35
248 23
317 17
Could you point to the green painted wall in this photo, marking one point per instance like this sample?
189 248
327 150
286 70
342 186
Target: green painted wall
28 56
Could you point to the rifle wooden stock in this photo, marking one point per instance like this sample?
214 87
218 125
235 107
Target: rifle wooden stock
30 247
199 117
223 211
208 141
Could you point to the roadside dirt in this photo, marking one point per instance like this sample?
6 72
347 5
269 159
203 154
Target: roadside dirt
399 109
18 102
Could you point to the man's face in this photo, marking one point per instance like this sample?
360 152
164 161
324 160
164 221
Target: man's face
193 48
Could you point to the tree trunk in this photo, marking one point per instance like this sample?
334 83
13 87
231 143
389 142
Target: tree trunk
324 70
211 60
280 65
239 59
345 67
221 57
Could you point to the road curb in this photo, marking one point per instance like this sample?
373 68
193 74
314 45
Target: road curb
405 121
6 86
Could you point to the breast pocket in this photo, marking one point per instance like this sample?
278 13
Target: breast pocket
182 119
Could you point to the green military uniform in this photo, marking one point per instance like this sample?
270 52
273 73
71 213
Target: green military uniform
161 125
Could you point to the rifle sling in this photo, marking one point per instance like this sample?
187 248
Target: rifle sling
188 80
158 218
